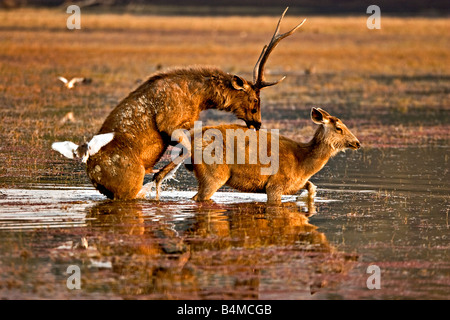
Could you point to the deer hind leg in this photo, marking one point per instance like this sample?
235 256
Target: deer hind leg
119 180
206 189
209 180
274 195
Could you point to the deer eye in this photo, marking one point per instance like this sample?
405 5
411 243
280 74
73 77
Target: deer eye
255 100
339 129
254 110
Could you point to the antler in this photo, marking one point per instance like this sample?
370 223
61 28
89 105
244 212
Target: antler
258 71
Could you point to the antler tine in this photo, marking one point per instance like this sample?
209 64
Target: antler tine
255 69
258 71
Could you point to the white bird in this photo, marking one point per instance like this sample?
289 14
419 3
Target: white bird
73 151
70 84
69 117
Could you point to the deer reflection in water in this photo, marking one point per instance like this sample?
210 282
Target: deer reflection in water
210 251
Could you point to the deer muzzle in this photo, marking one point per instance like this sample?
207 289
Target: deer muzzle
355 145
253 125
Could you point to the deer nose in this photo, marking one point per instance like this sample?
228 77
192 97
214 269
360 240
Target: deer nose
354 145
253 125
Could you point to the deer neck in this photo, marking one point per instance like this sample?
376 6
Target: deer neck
217 93
316 153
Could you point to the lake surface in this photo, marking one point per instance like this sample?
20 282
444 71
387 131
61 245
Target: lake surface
375 207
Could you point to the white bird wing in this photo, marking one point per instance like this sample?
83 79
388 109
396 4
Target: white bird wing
63 79
75 80
99 141
66 148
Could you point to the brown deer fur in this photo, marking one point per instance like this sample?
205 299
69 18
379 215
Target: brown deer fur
298 162
145 120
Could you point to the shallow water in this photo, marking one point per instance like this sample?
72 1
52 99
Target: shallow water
383 207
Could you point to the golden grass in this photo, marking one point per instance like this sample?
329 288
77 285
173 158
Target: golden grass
409 45
359 74
56 19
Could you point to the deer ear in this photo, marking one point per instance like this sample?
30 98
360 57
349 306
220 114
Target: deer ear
238 83
319 116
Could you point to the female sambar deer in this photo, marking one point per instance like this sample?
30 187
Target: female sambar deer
143 123
297 162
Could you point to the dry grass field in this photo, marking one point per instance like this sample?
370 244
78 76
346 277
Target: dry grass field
391 86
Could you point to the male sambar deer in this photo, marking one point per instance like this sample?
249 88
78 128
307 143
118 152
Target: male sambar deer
297 162
143 123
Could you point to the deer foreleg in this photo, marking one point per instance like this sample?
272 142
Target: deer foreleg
146 188
311 190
